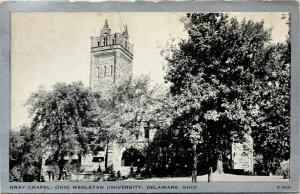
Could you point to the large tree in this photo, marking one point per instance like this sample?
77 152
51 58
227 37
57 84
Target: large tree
130 110
63 118
219 78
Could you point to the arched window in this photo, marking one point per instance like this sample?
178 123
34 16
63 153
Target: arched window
113 41
98 43
105 41
146 131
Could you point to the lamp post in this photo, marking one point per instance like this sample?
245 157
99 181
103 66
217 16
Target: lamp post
194 171
147 135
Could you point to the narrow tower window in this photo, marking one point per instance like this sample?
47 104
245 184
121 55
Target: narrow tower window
108 71
111 70
98 71
113 41
98 43
104 71
105 41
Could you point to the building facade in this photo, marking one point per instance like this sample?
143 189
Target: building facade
242 155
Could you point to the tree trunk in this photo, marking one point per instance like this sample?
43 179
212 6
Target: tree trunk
194 171
61 167
220 165
106 157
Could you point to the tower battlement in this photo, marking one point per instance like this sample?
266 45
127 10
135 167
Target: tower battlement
106 38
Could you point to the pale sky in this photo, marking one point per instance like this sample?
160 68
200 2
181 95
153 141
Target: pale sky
55 47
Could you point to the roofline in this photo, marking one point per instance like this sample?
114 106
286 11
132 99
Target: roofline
129 54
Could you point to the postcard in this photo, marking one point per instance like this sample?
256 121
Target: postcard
144 97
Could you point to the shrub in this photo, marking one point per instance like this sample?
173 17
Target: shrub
284 169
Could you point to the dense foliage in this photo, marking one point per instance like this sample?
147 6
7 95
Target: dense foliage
25 155
131 108
228 79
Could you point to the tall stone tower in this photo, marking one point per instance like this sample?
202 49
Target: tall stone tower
111 59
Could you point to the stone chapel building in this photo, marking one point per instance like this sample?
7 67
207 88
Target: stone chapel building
111 63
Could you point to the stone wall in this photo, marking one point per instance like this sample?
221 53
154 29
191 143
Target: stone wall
109 67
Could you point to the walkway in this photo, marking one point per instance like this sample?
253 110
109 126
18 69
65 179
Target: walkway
219 177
